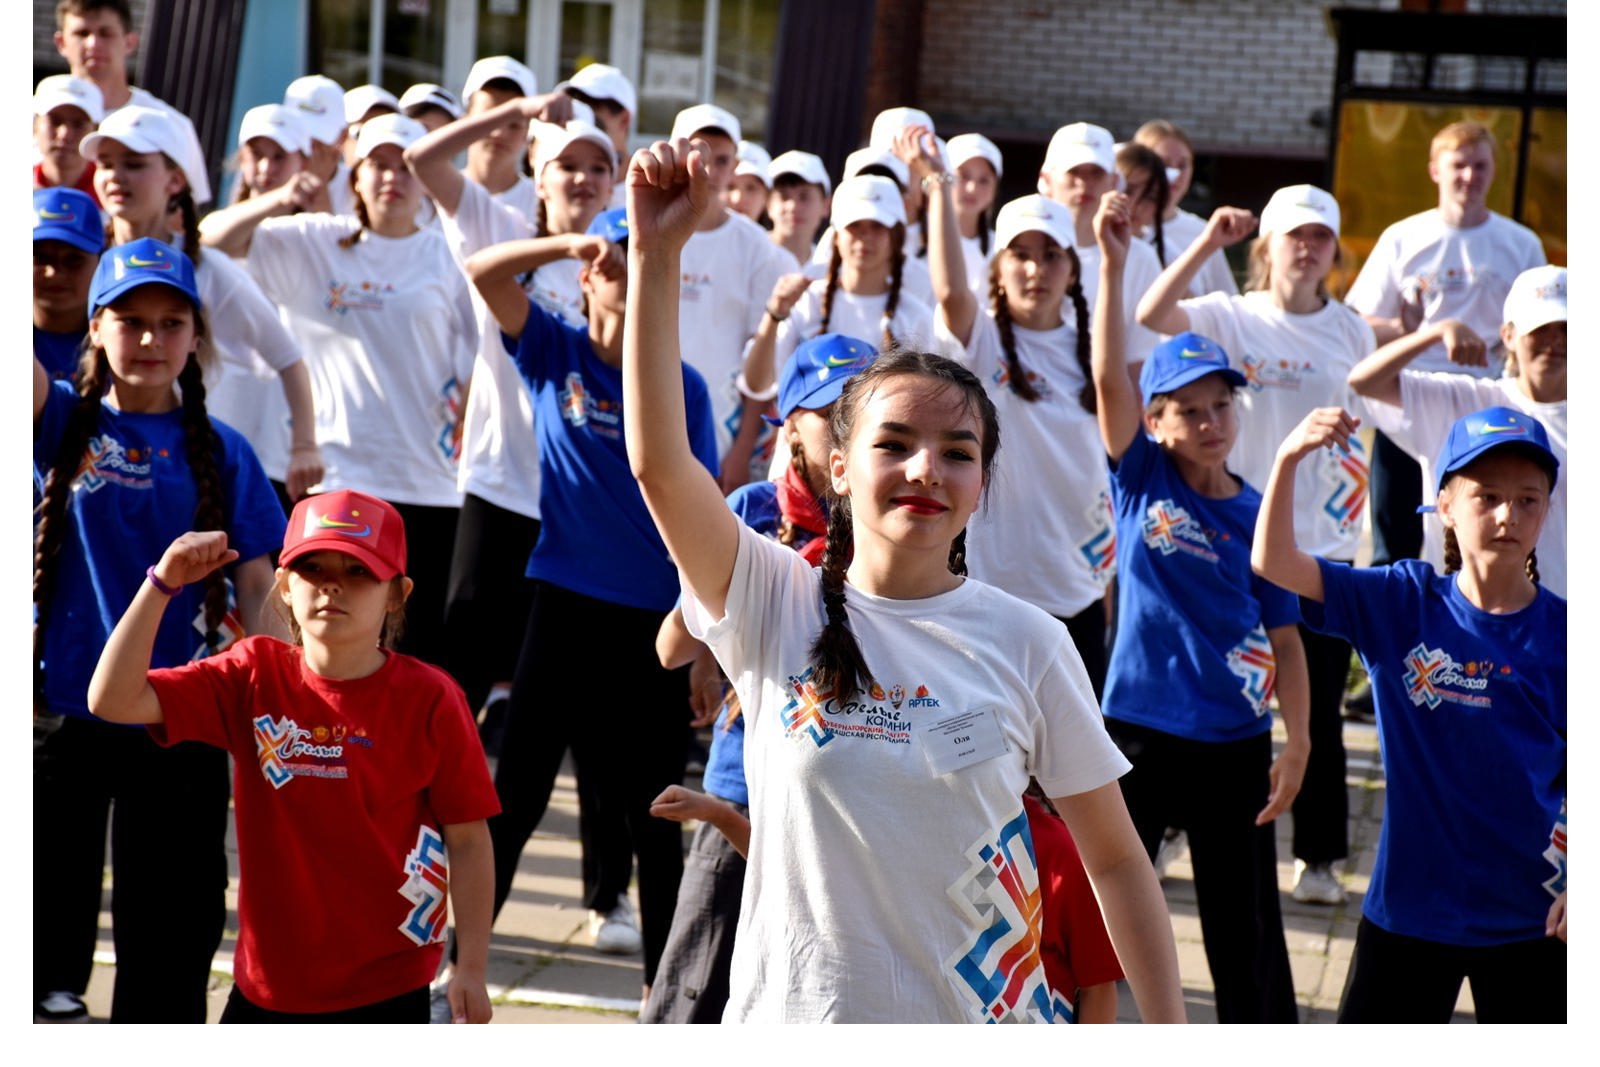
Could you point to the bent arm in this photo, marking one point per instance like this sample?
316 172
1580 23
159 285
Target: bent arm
231 229
1130 898
1377 376
305 458
1275 554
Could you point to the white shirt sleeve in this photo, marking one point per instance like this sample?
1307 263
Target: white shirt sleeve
241 318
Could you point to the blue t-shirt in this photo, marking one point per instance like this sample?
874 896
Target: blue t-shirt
58 352
596 536
1472 721
133 495
1192 657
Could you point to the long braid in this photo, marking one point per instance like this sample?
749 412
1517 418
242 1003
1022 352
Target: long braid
1161 239
1016 377
835 264
897 256
210 509
840 669
922 229
1080 309
364 221
541 221
1533 566
1452 552
985 230
184 202
51 529
958 553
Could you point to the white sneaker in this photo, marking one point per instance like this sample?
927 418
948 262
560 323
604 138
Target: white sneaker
1173 848
616 933
1317 884
61 1007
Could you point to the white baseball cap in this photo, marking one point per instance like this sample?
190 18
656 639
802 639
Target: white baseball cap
754 160
320 103
1537 298
428 94
1034 212
1297 205
802 165
691 120
969 146
869 196
601 82
363 98
63 90
552 140
151 129
278 124
1080 143
862 158
491 67
393 129
891 121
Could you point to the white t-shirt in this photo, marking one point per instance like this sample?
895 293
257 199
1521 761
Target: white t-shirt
914 276
1046 532
977 266
1423 271
727 277
884 886
341 195
1429 404
1294 363
389 335
1177 234
242 387
499 450
1139 272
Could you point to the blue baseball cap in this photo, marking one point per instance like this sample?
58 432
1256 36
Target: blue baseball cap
1473 435
142 262
1177 361
612 225
815 374
62 214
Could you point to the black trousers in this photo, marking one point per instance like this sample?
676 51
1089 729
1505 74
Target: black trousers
1322 808
1089 636
1398 979
168 809
1213 790
430 542
488 595
588 679
1394 491
409 1007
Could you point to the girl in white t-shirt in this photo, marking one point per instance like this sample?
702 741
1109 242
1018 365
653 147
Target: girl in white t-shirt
384 316
1144 180
1294 346
1180 228
1046 534
273 147
977 166
892 719
140 156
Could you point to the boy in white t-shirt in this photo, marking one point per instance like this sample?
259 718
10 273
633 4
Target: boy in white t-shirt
1455 261
1416 408
729 269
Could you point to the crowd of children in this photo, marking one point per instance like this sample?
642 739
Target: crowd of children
380 465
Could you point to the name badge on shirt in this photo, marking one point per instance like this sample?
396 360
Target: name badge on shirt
963 739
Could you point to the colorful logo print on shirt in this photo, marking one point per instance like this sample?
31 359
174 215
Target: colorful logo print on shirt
1557 854
1099 549
343 297
1252 661
1000 972
1168 528
1433 677
1346 470
427 887
229 629
823 717
286 751
1260 374
107 461
448 440
582 408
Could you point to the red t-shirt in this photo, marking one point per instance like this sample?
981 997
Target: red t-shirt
340 790
85 183
1076 949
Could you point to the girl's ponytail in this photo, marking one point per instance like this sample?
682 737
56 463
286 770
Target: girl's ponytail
184 202
839 667
1016 377
1080 308
897 257
835 264
363 220
210 509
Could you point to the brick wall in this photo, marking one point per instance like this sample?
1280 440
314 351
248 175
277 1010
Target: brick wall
1248 76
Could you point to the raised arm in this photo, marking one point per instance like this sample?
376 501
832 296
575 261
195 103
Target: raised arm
494 270
1116 395
947 267
1377 377
432 157
668 192
1275 554
120 689
231 229
1158 309
1130 898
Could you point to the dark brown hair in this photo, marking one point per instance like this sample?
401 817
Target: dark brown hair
1016 374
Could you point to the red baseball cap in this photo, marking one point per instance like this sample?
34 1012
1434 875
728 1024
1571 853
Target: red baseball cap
356 524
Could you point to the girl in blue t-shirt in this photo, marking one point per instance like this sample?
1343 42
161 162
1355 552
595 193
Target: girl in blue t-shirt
1202 644
588 677
1468 676
125 462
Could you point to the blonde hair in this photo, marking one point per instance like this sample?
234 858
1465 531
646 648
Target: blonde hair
1258 266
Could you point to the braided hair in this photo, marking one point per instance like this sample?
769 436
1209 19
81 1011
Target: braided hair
1137 157
839 667
835 261
363 220
1016 375
897 260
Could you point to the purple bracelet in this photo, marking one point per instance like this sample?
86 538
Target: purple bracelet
169 590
